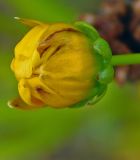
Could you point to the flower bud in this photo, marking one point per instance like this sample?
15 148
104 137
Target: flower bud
60 65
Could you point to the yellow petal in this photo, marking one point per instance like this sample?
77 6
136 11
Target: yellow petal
69 71
23 68
26 93
38 89
29 43
26 54
56 28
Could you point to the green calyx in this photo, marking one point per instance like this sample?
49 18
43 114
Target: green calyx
103 54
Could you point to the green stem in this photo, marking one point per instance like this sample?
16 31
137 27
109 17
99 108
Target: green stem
126 59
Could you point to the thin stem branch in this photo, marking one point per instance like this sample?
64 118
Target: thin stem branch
126 59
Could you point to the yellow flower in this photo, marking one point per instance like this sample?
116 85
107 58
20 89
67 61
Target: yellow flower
55 66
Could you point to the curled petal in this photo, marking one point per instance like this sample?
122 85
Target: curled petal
20 104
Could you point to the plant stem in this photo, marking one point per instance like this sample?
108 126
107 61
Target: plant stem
126 59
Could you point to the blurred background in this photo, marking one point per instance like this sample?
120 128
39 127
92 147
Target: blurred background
110 130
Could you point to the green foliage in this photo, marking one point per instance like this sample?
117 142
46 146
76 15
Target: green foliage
113 123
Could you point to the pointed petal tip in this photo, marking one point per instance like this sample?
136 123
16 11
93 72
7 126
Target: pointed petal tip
9 105
17 18
18 103
28 22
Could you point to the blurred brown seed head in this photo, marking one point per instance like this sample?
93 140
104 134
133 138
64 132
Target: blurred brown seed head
108 30
136 7
113 7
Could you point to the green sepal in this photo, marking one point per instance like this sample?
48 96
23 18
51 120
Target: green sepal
96 93
92 93
102 48
106 75
88 30
98 97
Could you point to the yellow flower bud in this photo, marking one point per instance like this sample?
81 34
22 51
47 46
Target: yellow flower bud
55 66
